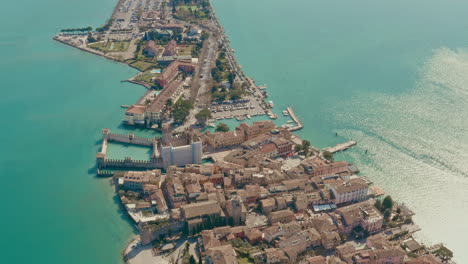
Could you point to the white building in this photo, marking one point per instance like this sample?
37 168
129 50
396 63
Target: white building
182 155
354 190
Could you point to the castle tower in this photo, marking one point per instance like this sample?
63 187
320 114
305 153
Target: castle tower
167 133
236 210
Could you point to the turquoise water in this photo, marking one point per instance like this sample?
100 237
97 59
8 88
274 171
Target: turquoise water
55 100
120 151
392 75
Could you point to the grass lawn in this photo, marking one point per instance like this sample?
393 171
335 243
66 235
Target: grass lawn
146 77
188 7
142 65
243 261
111 46
188 12
185 50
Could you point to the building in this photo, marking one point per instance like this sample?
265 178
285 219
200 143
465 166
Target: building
171 48
223 139
175 192
354 190
221 255
361 214
171 71
151 50
135 180
258 128
269 150
283 216
154 112
198 213
180 154
285 147
335 168
268 205
236 211
135 115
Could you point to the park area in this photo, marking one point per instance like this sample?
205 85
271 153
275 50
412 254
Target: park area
110 46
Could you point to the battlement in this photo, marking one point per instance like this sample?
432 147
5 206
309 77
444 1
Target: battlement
129 139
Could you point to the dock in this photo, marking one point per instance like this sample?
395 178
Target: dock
296 120
341 147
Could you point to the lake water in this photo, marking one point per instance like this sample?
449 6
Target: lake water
390 74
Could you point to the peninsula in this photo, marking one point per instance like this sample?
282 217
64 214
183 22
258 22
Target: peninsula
256 194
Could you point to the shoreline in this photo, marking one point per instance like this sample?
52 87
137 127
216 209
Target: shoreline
235 66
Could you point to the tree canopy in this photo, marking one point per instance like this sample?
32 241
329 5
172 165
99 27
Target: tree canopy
387 203
222 127
203 115
328 155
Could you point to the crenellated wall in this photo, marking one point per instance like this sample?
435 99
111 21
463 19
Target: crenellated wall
148 235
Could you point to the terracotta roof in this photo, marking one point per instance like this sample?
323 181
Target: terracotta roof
222 255
136 109
199 209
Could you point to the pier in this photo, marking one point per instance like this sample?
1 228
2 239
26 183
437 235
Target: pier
341 147
296 120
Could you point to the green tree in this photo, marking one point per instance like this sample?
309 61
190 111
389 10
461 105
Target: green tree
231 77
387 213
398 210
192 260
387 203
305 145
328 155
378 205
204 35
297 148
203 115
222 127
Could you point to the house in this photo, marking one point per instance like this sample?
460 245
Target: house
283 216
223 139
221 255
317 260
201 211
362 214
254 236
268 205
276 256
135 180
135 115
258 128
150 50
428 259
330 240
170 49
285 147
171 71
345 191
175 192
335 168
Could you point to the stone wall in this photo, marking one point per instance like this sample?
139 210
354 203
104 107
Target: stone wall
149 235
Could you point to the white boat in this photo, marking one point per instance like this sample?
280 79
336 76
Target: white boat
290 121
271 103
285 112
248 116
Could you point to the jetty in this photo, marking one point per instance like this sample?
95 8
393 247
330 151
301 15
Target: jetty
341 147
296 120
